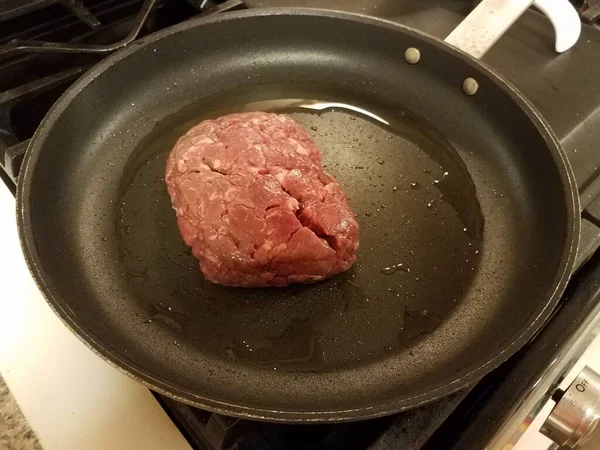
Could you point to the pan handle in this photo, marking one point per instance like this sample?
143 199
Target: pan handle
490 19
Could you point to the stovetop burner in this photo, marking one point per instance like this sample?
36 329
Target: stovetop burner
45 45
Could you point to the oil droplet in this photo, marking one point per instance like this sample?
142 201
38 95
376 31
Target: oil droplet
394 268
417 323
313 128
296 348
444 175
167 321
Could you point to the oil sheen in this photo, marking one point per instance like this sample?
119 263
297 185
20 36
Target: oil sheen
420 223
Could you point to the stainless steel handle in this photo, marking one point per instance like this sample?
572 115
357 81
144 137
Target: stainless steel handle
490 19
573 423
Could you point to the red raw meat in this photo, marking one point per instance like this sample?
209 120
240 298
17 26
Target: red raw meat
254 203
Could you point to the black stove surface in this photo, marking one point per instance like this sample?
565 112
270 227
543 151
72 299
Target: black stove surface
46 44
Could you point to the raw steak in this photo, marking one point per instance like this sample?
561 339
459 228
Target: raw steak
256 206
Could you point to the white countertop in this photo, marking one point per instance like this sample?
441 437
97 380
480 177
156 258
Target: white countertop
71 398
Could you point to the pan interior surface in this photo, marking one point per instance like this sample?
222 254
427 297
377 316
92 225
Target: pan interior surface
463 214
390 297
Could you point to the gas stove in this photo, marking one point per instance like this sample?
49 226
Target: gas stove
45 45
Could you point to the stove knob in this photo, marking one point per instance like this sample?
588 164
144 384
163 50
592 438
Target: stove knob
574 420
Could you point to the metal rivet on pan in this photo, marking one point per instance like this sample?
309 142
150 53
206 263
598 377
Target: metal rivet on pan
412 55
470 86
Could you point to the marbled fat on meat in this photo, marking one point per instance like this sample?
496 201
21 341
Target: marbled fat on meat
254 203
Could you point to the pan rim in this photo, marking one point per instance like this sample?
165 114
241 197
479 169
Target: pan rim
179 393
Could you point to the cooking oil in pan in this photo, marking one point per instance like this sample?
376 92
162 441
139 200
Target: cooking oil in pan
420 225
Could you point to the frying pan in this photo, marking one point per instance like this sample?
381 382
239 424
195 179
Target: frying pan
468 213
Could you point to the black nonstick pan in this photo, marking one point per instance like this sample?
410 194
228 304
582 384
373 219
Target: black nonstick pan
468 213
